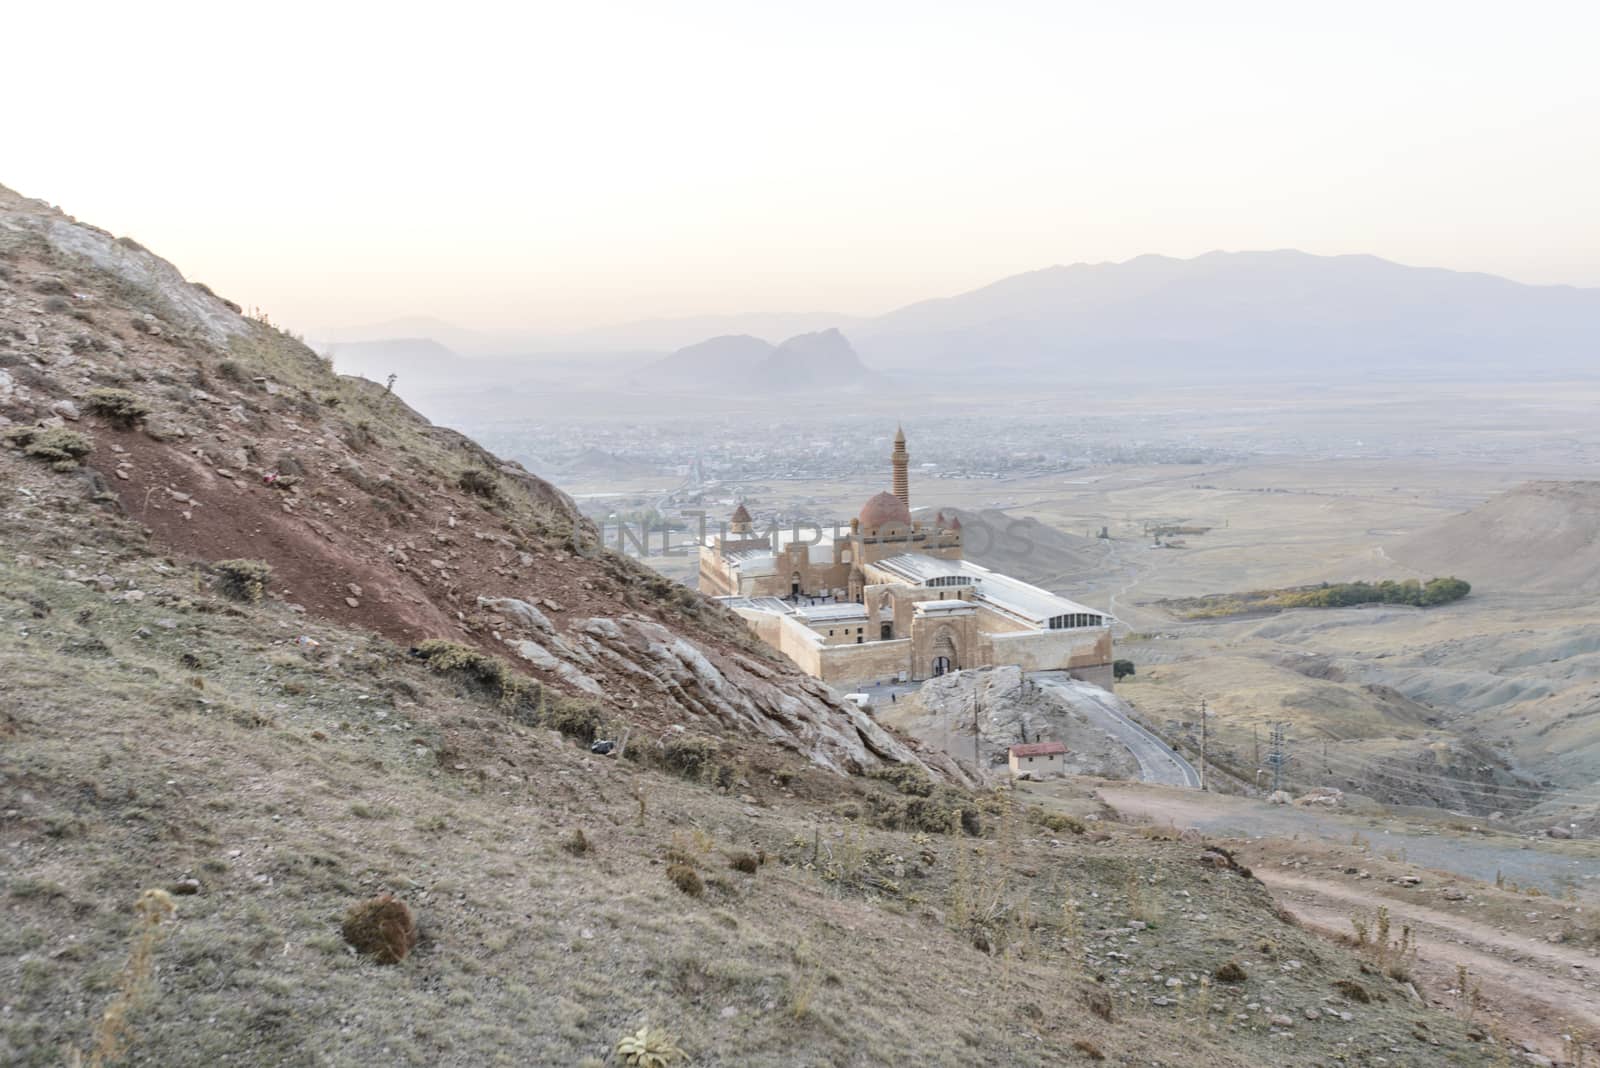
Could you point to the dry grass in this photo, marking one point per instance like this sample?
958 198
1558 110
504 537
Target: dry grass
533 954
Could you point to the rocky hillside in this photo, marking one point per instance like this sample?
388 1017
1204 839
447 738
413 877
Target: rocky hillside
239 442
297 697
1010 709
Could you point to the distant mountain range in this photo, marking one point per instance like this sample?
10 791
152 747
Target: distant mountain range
739 363
1219 314
1254 312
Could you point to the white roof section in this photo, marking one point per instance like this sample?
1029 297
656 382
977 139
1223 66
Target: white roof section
943 608
752 562
1001 593
839 612
775 605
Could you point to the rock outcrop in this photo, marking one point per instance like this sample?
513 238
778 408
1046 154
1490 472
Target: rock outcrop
1011 709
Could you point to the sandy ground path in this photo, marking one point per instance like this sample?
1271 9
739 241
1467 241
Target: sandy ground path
1529 989
1532 990
1222 816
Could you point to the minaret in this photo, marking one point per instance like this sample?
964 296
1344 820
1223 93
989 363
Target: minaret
901 460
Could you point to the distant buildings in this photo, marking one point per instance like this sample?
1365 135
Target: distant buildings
894 599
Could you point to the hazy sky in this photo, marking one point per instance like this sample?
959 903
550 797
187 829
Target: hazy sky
561 165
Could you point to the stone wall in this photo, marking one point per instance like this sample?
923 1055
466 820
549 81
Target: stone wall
848 665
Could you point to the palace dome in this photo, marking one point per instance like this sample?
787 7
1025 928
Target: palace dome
883 510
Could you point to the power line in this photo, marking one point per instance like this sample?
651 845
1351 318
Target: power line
1277 757
1508 792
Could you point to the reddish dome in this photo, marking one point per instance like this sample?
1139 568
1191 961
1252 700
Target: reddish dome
883 510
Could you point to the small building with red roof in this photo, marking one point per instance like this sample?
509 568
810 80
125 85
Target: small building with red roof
1035 760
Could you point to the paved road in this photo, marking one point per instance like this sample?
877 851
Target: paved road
1157 762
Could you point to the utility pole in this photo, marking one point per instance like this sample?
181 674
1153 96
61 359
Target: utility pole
977 759
1203 734
1255 737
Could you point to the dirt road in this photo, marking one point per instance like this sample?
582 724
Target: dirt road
1541 993
1158 763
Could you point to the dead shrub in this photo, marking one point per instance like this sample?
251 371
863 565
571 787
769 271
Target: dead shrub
576 843
1098 1002
686 879
1353 990
745 862
243 580
1088 1049
1230 972
381 928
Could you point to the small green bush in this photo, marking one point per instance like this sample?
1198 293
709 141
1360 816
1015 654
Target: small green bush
479 483
117 406
1121 669
481 671
243 580
905 778
574 717
1057 821
57 446
690 755
947 813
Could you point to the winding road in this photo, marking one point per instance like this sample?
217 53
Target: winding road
1158 763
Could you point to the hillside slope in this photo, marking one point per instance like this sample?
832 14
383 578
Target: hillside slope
1541 537
251 447
267 749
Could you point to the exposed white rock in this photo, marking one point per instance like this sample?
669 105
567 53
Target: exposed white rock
521 611
736 691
